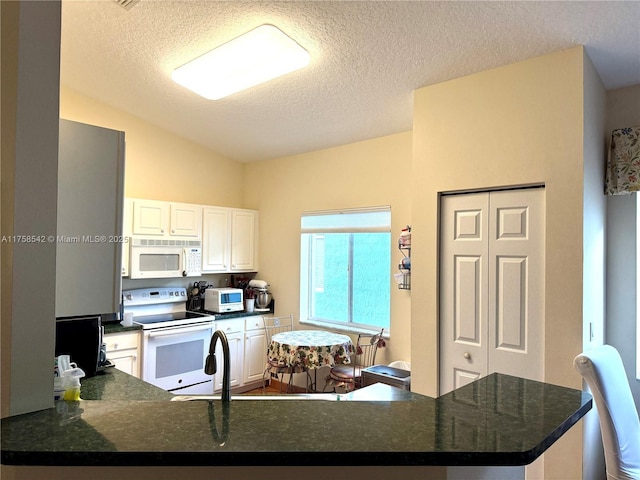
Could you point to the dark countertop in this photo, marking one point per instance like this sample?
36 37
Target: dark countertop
115 385
117 328
227 316
497 420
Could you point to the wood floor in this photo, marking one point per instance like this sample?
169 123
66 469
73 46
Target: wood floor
274 388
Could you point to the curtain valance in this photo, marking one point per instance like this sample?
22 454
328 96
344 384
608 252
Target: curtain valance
623 162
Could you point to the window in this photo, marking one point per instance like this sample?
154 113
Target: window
345 268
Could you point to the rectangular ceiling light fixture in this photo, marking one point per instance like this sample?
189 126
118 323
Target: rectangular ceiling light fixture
258 56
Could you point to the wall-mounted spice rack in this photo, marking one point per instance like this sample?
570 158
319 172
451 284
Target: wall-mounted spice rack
404 245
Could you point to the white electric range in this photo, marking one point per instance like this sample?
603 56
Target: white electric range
175 341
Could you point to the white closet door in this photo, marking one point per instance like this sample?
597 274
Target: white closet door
491 285
463 289
516 277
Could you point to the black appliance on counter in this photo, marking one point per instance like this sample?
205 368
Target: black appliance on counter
81 339
195 301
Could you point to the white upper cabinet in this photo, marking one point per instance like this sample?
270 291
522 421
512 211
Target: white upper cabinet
185 220
216 239
244 231
165 219
150 217
229 240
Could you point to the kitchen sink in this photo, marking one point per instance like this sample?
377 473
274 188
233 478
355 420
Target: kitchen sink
330 397
377 392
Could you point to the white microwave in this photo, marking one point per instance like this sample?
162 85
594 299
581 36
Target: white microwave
155 258
223 300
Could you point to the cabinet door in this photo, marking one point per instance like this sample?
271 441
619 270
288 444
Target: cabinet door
255 355
244 230
126 361
123 350
150 217
186 220
216 247
235 352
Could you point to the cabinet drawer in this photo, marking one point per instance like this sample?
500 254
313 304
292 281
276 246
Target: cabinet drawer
121 341
230 326
254 323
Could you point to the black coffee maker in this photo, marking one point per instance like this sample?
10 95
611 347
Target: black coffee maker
195 302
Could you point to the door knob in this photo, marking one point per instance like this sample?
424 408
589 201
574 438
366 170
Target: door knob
467 355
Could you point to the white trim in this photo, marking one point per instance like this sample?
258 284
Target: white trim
637 271
344 327
347 221
380 208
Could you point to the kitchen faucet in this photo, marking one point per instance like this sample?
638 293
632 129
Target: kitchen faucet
210 366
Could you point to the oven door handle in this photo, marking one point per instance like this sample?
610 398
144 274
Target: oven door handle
180 330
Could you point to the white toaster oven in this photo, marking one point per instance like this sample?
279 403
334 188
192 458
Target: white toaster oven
223 300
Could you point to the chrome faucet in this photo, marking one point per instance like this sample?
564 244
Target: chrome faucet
210 366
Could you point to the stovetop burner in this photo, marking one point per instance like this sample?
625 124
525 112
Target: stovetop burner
161 307
171 319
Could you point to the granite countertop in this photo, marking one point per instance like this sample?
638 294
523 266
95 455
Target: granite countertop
115 385
498 420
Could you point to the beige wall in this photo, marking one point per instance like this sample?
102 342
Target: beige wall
160 165
516 125
369 173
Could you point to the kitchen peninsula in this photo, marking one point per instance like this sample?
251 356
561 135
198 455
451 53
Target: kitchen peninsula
497 420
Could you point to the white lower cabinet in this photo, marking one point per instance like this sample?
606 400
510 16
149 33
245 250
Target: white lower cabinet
234 330
247 349
255 350
123 350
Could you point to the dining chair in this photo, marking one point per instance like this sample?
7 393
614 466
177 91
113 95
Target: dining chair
349 376
604 373
274 325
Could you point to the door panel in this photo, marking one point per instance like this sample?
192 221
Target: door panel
468 290
516 268
511 326
463 304
464 377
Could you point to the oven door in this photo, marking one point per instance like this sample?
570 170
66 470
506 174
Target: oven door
174 358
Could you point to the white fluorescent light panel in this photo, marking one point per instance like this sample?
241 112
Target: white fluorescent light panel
256 57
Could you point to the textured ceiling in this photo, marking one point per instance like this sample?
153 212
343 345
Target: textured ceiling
367 57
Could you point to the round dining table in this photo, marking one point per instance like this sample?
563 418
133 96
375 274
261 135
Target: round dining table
304 350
